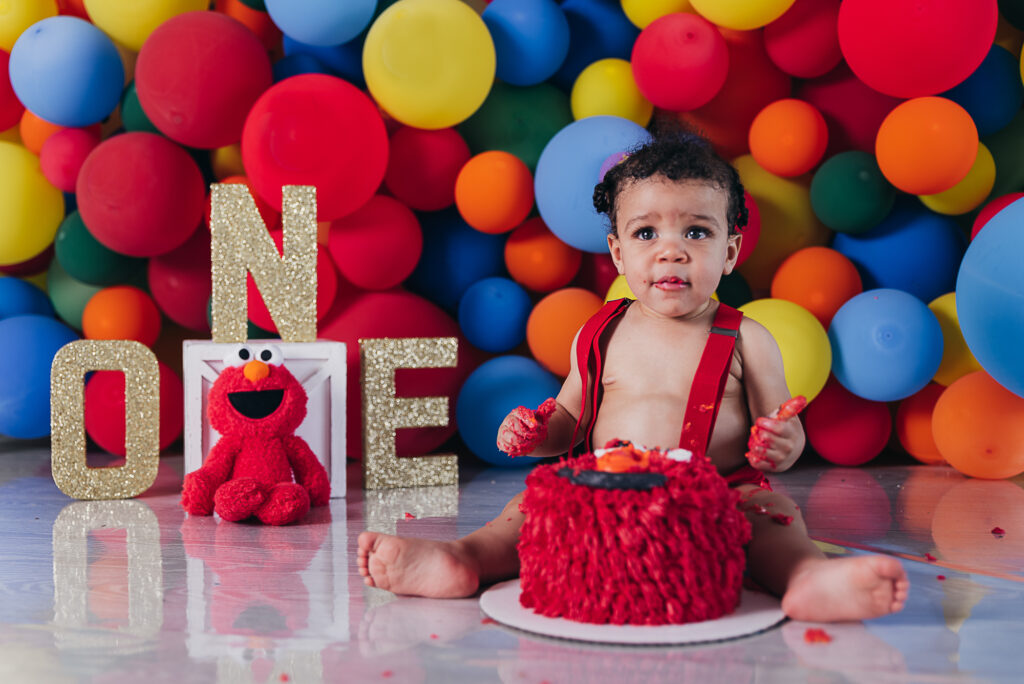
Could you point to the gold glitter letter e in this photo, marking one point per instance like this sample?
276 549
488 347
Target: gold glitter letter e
240 244
383 412
67 419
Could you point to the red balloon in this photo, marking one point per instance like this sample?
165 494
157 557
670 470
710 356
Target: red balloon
396 313
423 166
804 41
845 429
853 111
11 108
680 61
597 272
752 84
104 409
993 207
378 245
63 154
752 232
326 287
180 282
140 194
847 504
908 48
197 76
318 130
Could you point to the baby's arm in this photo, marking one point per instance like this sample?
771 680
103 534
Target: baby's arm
546 431
765 385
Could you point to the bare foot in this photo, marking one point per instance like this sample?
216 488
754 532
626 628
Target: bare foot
856 588
417 567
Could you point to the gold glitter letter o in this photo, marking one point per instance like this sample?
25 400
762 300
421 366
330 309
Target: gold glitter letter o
67 419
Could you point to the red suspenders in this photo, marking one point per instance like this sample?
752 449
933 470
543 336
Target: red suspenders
708 382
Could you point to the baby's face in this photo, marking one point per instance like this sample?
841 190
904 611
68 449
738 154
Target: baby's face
673 243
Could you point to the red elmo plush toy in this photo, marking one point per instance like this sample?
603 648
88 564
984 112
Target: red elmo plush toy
256 405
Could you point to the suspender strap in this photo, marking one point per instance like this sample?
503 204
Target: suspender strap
586 349
709 381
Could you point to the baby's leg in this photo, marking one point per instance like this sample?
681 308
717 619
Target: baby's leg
783 559
423 567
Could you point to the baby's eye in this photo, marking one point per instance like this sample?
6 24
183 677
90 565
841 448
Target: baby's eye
697 233
646 233
238 355
269 354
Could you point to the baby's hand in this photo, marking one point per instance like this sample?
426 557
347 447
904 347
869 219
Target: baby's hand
772 437
523 430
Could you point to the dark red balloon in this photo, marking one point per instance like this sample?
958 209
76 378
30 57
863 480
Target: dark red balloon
180 282
804 42
326 287
197 76
423 166
11 108
140 194
317 130
63 154
846 429
104 409
597 273
377 246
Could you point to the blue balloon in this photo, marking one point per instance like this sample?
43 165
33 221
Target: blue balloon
493 314
886 345
454 257
597 29
344 61
912 249
298 63
531 39
27 346
990 297
18 297
321 22
67 71
568 170
487 396
993 94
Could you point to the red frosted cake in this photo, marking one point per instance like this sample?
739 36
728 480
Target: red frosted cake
626 536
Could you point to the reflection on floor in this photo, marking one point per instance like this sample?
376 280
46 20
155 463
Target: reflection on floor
134 590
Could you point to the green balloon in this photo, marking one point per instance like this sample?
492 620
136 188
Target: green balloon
85 259
132 117
516 120
68 296
260 5
1013 12
1007 148
734 290
849 194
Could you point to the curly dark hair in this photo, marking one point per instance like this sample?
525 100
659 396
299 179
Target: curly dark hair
679 157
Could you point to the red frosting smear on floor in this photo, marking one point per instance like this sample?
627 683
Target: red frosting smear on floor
816 635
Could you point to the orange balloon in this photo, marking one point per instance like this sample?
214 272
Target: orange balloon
538 260
819 279
914 424
788 137
553 324
35 131
965 517
494 191
917 498
256 21
926 145
121 312
978 427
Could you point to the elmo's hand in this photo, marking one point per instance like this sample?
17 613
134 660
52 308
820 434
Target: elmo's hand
523 430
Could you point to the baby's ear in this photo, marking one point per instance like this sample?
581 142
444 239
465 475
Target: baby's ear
732 252
615 249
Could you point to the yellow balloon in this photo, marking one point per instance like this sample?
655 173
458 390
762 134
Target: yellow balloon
429 63
788 222
971 191
957 359
18 15
12 134
227 161
806 352
619 290
31 209
742 15
130 23
607 86
643 12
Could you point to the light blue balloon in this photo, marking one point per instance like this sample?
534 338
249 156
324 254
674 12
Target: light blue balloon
321 22
66 71
990 297
886 344
493 313
531 39
487 396
568 170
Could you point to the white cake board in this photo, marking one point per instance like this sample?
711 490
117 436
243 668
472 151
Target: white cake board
756 612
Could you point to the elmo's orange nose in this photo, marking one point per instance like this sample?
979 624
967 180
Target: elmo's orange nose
255 371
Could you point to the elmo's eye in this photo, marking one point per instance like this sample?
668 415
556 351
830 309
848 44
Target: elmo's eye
239 355
268 354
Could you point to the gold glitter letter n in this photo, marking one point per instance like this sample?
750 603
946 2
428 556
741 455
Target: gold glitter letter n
240 244
383 412
67 419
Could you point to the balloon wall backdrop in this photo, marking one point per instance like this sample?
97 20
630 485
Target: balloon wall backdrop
455 145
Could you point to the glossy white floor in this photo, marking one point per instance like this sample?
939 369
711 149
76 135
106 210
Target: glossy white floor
133 591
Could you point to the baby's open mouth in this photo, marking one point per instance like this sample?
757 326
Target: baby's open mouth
671 283
256 405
